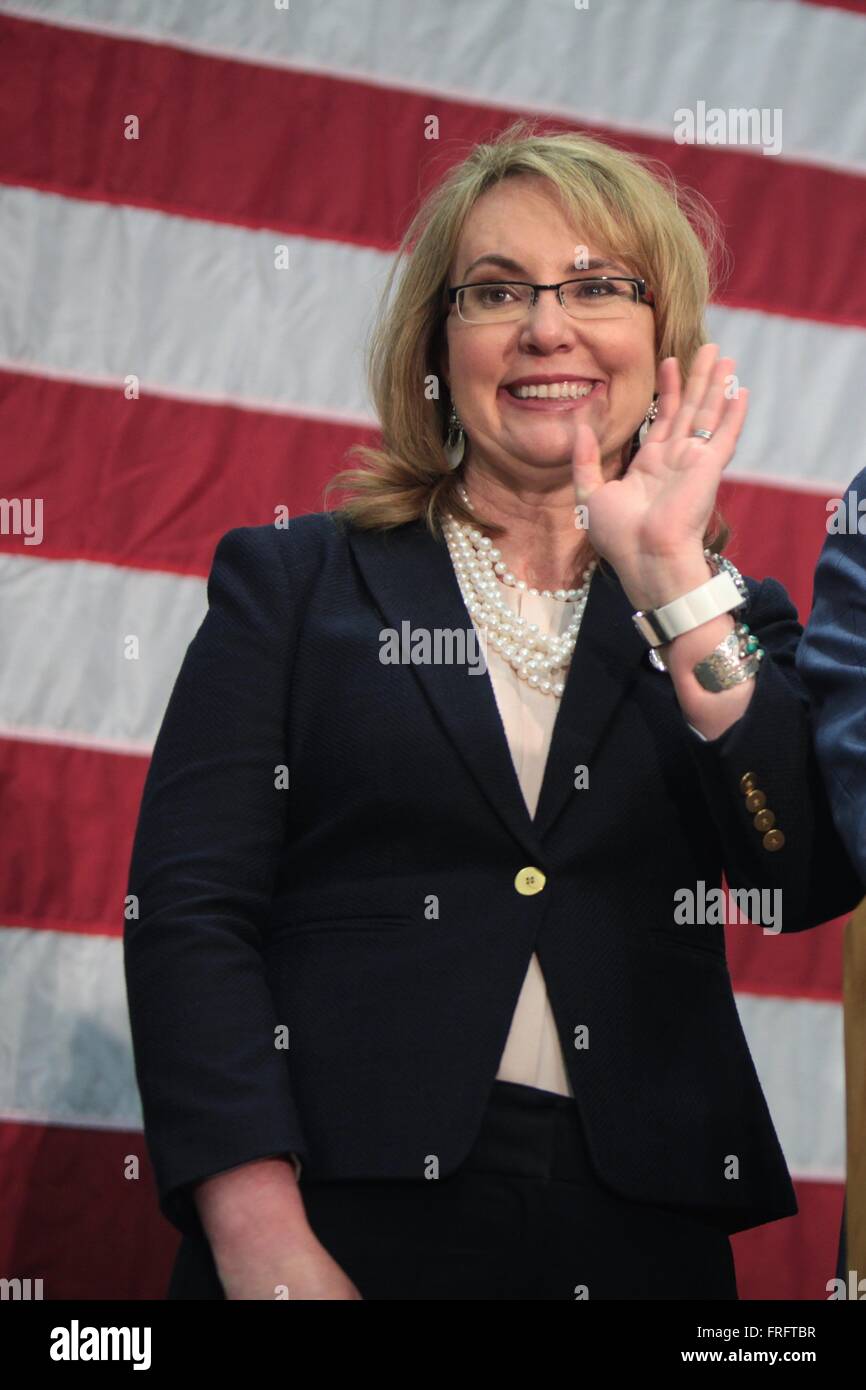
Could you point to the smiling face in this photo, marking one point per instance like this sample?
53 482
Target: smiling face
521 219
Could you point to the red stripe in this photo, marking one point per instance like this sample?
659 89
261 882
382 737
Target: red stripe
319 180
71 1217
794 1258
168 504
180 473
856 6
793 965
69 819
776 531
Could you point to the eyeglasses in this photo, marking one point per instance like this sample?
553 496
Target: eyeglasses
590 297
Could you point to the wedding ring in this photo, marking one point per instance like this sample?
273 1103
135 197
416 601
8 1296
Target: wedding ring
702 434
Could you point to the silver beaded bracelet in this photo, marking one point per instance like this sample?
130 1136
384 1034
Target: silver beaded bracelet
736 659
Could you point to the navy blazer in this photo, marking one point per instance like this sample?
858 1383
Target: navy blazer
370 913
832 662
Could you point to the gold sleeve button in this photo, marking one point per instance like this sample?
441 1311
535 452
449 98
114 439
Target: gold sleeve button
765 820
747 782
529 881
756 800
774 839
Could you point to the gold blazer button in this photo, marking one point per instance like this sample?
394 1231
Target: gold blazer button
529 881
774 839
755 800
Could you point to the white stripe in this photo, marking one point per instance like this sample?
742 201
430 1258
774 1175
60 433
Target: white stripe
64 630
804 399
70 1060
197 309
188 307
809 486
797 1047
616 63
65 1047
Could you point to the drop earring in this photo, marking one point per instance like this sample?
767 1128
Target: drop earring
647 421
455 444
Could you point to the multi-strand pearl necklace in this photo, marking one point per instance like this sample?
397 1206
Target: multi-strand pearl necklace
480 572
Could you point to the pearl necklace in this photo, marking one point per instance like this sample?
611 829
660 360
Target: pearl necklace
479 568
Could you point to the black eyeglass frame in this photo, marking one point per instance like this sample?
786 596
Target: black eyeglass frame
644 296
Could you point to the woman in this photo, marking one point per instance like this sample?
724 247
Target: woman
410 882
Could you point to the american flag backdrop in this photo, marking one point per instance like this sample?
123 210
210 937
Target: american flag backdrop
163 379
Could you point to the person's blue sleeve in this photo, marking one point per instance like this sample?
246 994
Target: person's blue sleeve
832 662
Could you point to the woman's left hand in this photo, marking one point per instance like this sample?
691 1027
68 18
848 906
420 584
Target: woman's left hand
650 523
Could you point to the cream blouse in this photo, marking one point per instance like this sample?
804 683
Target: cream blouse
532 1053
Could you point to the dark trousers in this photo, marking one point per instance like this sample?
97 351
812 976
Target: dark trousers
523 1217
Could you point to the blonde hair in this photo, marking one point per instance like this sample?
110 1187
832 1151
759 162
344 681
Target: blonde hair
664 233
